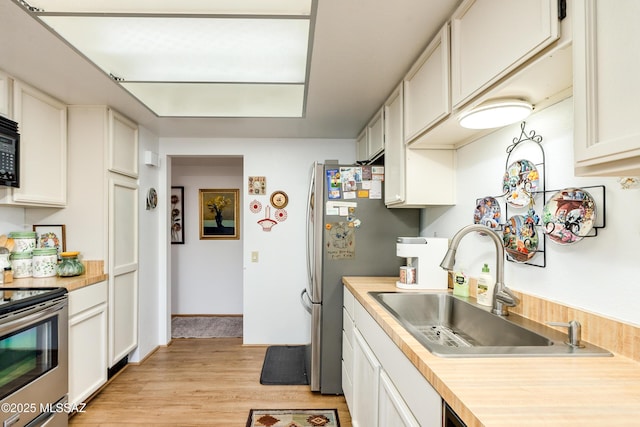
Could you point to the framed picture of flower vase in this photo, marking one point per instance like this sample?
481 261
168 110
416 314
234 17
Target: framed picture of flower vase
219 214
177 215
51 236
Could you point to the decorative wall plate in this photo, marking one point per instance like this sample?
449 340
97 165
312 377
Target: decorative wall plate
255 206
279 199
152 198
519 182
569 215
487 213
520 238
280 215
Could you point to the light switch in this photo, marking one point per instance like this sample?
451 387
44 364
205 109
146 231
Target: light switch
254 256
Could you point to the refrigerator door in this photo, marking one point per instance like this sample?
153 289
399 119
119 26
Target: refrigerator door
314 233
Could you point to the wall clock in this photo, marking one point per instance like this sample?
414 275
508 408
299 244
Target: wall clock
279 199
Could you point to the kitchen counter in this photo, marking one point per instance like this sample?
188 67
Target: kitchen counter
522 391
94 273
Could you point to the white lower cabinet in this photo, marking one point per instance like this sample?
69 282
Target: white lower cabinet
386 389
392 411
87 341
366 376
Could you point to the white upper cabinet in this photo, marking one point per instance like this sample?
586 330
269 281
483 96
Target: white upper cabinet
123 145
394 158
5 95
426 88
491 38
375 136
606 89
361 147
42 124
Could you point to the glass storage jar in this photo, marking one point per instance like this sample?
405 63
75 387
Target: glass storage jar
24 241
21 264
44 262
70 265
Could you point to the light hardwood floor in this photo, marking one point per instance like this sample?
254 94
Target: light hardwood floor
196 382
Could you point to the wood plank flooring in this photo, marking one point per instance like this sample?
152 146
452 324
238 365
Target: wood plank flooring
197 382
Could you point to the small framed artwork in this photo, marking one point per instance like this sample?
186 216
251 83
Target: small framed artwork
258 185
177 215
51 236
219 214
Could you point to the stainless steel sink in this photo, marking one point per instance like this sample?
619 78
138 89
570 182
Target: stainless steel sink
450 326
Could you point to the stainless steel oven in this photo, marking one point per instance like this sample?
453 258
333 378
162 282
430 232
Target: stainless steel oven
33 357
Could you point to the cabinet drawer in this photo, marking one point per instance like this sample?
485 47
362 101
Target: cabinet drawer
347 355
87 297
347 326
348 302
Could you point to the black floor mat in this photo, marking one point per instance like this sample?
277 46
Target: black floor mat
284 365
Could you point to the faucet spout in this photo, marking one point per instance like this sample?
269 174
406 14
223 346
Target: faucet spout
503 296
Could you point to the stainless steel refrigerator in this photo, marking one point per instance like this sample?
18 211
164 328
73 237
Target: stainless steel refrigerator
350 232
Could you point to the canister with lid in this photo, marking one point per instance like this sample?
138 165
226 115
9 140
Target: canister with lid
24 241
70 265
22 264
44 262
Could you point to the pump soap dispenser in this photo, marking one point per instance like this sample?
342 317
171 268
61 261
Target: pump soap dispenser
485 286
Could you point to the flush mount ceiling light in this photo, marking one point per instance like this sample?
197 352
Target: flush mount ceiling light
495 113
195 58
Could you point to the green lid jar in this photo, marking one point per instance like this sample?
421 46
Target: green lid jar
45 262
21 264
24 241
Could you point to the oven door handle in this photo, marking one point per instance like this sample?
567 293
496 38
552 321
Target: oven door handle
31 317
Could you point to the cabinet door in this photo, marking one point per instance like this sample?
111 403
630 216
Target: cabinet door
123 145
392 410
427 88
491 38
5 95
361 147
42 123
365 384
394 187
375 136
606 89
87 341
123 276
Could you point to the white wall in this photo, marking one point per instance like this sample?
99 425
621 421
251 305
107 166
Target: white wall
12 219
598 274
150 334
206 275
272 311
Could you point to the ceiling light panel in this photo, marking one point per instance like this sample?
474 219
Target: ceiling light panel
241 7
190 49
220 100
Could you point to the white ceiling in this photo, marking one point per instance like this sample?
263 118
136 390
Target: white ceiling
361 50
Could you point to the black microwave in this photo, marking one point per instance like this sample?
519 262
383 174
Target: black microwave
9 153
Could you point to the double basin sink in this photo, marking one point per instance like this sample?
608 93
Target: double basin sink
450 326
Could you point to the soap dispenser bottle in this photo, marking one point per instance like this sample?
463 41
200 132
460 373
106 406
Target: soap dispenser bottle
485 285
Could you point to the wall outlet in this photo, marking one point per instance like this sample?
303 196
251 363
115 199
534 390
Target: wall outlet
254 256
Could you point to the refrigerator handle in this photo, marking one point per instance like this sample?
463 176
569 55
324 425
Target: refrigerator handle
308 227
306 302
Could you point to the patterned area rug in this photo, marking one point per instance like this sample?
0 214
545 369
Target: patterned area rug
206 326
293 418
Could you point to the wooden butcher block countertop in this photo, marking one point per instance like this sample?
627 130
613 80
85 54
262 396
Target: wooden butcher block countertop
517 391
94 273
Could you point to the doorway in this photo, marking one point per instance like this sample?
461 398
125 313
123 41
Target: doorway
206 273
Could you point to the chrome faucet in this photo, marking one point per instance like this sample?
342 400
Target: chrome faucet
503 297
